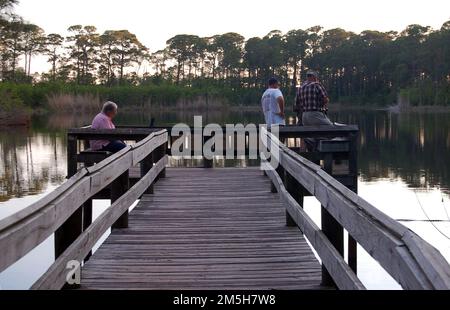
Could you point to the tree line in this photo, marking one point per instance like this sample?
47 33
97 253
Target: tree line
369 66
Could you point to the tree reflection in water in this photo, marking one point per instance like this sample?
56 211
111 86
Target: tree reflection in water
31 160
413 147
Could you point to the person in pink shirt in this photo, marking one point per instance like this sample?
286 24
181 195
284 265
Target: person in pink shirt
104 120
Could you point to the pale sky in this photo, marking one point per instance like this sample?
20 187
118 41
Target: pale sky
156 21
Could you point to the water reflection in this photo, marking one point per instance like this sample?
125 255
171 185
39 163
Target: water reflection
402 156
30 161
413 147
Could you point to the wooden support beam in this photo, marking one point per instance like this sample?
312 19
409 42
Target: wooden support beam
330 227
335 233
161 153
68 232
353 172
72 228
87 208
118 188
295 189
352 253
87 220
207 163
72 151
146 165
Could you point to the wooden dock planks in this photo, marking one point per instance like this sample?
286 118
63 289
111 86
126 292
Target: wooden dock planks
206 229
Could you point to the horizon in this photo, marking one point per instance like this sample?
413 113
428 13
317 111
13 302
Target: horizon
153 30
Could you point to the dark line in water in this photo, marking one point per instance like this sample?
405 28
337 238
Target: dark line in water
430 220
427 221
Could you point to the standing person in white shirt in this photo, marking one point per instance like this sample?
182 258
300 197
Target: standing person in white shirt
273 105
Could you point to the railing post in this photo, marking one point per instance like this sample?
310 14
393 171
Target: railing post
160 152
295 189
280 171
146 166
353 171
207 163
118 188
273 188
291 187
73 227
87 206
87 220
330 227
72 152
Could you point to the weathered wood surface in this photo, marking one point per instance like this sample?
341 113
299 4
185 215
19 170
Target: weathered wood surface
317 131
409 259
343 276
206 229
55 277
23 231
110 134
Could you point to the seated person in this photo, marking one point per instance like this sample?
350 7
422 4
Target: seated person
312 106
104 121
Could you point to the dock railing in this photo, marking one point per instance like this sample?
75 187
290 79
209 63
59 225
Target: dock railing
410 260
25 230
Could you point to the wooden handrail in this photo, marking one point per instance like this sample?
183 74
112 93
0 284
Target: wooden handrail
409 259
23 231
345 278
119 133
55 277
290 130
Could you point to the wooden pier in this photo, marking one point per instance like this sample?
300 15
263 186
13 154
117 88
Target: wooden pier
216 228
225 230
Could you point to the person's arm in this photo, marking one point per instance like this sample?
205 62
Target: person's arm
299 109
281 104
323 93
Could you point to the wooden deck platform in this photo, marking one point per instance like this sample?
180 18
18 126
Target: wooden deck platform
218 228
206 229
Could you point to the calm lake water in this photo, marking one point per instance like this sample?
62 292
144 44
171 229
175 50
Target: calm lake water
403 163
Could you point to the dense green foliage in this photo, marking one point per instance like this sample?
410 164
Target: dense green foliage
167 94
370 67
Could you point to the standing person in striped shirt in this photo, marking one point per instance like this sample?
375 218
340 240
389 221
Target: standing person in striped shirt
312 102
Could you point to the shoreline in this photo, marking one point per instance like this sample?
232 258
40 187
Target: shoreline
11 120
393 109
15 119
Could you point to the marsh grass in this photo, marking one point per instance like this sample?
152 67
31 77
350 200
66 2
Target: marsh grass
72 97
74 102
